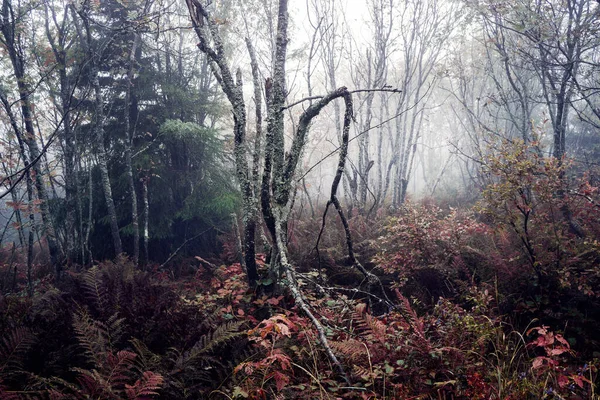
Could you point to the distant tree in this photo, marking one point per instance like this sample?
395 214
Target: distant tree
11 38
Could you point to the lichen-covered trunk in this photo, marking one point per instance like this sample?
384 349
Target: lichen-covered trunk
129 133
69 163
103 161
145 217
211 44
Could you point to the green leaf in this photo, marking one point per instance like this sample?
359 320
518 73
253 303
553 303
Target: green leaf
239 392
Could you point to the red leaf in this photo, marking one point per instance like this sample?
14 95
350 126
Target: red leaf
538 362
557 351
281 380
563 381
578 380
562 340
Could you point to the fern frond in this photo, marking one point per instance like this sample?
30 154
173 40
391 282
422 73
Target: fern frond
13 348
55 387
351 349
368 324
92 335
91 384
361 371
47 304
415 322
148 385
110 380
220 336
118 368
115 328
94 288
146 359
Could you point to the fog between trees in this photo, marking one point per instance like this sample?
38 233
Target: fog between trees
115 123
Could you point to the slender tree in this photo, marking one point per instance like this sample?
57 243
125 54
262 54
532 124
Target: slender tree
93 50
12 41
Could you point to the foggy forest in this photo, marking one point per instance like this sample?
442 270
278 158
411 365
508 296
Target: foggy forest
299 199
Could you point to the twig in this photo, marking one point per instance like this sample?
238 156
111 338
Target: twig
173 254
370 277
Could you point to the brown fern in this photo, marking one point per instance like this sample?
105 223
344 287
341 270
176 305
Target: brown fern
415 323
368 324
353 350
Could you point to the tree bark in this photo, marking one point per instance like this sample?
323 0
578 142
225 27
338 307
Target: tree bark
211 44
129 134
145 218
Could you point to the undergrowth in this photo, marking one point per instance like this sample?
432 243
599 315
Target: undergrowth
499 301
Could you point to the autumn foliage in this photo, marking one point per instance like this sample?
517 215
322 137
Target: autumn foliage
496 301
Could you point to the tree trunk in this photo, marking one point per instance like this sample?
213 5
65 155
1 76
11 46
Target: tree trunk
145 217
70 178
211 44
129 133
9 31
94 59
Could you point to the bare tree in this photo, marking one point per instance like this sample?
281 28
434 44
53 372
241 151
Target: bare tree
427 25
57 36
280 166
12 41
555 37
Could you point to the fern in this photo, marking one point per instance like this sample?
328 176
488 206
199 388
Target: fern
94 288
363 372
146 386
220 336
198 368
354 350
96 337
119 366
54 387
13 349
410 315
146 359
201 351
115 326
110 380
48 304
368 324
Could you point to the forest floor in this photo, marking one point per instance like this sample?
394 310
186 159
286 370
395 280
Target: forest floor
470 319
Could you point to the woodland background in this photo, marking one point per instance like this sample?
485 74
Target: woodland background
320 199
